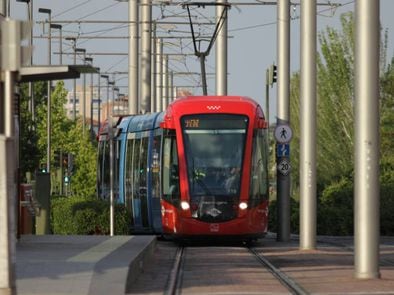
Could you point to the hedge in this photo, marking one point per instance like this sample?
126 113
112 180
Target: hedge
86 216
335 213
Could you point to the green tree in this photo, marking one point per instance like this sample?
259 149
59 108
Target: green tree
30 155
335 97
60 124
83 179
387 125
66 136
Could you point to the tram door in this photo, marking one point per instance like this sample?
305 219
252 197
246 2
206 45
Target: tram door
136 181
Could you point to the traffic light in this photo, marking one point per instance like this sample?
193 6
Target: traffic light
65 161
57 159
272 74
43 167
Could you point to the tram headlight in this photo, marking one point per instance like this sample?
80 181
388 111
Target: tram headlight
185 205
243 205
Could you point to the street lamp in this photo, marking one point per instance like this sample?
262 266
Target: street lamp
90 61
111 162
99 100
74 45
49 86
83 50
113 103
112 83
107 78
59 27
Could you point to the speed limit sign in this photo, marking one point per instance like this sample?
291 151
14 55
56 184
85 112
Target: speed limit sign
284 167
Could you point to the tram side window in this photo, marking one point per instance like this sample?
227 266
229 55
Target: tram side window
116 144
143 165
170 168
129 172
136 168
259 172
155 166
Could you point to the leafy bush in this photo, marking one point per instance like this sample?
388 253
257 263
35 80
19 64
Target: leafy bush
335 209
386 209
86 216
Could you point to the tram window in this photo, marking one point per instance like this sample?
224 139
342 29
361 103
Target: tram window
259 173
214 148
116 149
143 165
129 172
155 166
170 168
136 168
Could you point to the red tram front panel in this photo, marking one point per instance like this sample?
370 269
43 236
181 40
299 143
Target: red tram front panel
214 168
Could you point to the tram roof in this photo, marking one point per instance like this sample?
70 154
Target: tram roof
142 122
211 104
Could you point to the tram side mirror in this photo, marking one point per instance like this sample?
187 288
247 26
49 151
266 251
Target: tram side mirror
167 124
262 124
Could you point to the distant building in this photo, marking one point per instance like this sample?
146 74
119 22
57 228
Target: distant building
92 105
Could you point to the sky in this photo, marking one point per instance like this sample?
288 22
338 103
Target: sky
251 46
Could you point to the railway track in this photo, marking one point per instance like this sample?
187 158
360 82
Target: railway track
175 281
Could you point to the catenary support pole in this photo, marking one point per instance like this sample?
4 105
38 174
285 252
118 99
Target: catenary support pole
165 82
366 143
221 52
283 118
153 70
145 82
308 127
159 75
133 57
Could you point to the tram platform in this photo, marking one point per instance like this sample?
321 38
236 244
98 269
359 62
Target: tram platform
52 264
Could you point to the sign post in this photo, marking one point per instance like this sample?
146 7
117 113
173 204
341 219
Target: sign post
283 135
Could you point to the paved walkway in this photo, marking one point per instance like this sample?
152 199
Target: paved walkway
330 268
79 264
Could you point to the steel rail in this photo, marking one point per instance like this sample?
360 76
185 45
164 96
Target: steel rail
292 286
174 282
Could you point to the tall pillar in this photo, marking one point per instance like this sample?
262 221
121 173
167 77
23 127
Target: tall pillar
366 141
159 75
308 196
133 57
221 53
145 81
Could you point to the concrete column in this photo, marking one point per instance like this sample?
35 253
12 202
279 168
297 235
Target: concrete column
366 141
153 70
221 53
159 75
145 82
308 127
133 57
165 82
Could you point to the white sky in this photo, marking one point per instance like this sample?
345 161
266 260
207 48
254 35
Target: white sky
252 46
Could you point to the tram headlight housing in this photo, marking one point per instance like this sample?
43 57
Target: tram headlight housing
243 205
185 205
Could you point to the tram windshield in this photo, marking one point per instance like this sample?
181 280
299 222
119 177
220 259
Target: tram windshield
214 148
